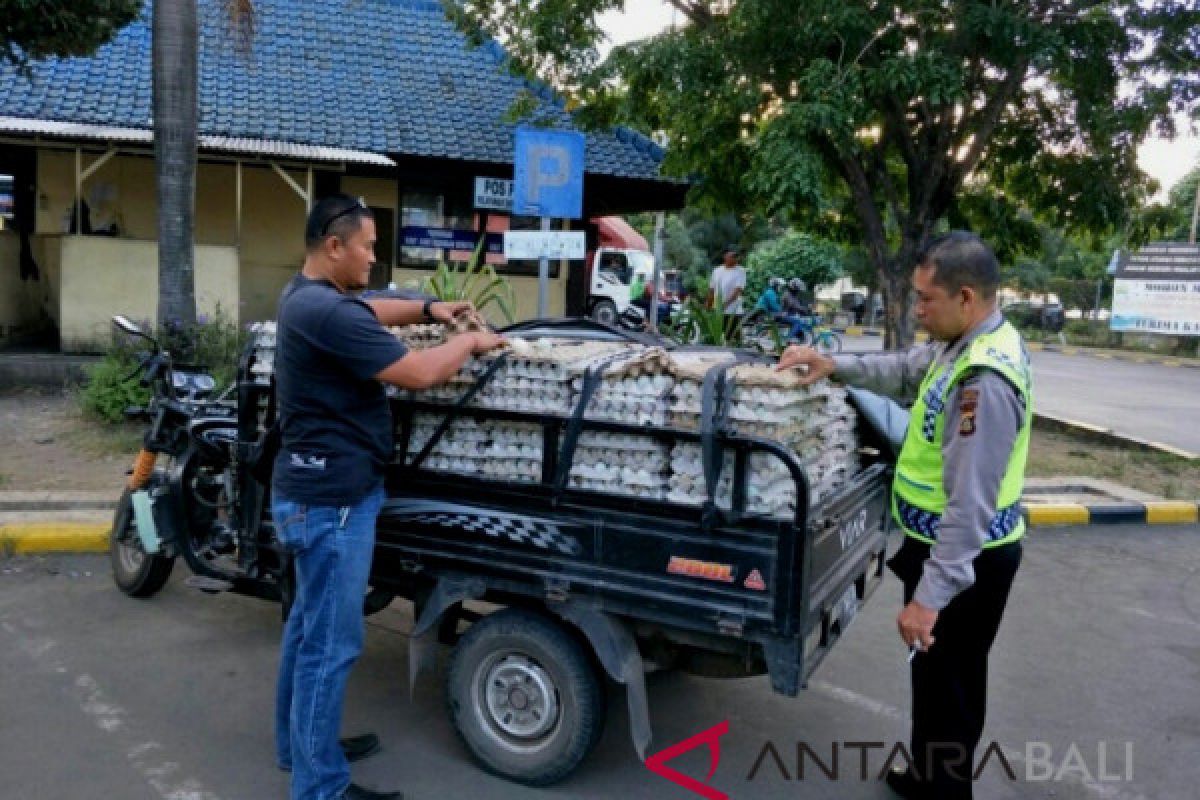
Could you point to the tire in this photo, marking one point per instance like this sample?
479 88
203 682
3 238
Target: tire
828 342
544 668
135 573
605 311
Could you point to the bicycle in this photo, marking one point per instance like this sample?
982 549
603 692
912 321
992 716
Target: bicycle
772 334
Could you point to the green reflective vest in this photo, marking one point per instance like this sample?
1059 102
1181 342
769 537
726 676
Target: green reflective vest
918 491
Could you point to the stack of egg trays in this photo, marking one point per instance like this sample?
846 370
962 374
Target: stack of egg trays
621 463
263 336
493 449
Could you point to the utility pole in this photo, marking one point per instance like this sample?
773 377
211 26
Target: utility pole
1195 215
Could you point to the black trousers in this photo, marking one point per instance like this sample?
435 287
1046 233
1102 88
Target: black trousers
949 681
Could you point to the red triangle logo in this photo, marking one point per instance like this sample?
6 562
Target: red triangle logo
755 581
657 763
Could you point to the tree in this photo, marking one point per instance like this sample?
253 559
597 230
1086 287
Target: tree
29 31
1182 205
793 255
913 111
175 111
174 32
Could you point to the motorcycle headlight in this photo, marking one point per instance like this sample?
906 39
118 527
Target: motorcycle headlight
179 380
204 383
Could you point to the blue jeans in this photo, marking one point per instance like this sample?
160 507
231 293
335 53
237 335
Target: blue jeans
331 547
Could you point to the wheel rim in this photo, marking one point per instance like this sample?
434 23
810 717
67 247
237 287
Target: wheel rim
128 547
606 314
516 700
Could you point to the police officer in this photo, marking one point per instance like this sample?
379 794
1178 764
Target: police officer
955 496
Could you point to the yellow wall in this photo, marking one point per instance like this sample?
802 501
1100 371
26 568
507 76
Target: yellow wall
525 289
272 247
216 204
124 184
378 192
102 277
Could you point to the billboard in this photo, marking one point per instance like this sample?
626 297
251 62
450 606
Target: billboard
1157 290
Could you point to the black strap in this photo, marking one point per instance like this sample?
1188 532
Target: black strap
455 410
716 394
591 381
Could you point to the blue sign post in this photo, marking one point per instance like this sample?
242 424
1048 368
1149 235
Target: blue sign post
548 182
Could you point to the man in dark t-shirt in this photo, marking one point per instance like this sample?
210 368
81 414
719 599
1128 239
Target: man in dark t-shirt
333 355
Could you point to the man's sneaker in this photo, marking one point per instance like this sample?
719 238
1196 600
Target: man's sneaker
356 748
356 792
905 784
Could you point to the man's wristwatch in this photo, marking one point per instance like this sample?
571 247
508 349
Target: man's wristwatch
427 309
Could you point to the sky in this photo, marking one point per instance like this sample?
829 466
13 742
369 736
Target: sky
1165 160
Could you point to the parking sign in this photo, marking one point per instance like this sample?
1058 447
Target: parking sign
548 173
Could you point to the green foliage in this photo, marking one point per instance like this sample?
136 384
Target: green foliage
794 255
214 343
109 389
472 281
35 30
869 121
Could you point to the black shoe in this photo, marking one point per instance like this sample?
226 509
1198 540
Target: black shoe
355 748
356 792
905 784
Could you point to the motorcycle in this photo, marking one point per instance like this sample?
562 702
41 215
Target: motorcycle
189 494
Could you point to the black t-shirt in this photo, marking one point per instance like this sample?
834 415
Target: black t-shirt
334 415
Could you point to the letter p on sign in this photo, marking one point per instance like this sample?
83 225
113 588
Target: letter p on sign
548 173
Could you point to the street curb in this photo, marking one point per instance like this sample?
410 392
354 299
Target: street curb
1109 436
25 538
1115 355
1157 512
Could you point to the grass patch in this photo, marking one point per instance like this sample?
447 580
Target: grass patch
1056 453
94 437
4 480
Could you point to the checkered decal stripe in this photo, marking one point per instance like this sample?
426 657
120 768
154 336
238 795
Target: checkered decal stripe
533 533
934 403
927 523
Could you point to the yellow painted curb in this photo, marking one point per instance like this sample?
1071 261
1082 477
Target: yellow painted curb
54 537
1166 511
1056 514
1035 346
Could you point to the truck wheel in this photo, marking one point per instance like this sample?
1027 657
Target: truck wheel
135 573
605 311
524 697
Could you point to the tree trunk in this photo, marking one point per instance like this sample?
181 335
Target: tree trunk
174 69
897 296
896 277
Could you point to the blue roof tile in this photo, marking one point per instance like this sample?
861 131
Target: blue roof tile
386 76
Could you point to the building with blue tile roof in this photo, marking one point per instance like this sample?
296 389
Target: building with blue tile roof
380 98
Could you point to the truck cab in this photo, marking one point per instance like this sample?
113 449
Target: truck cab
612 274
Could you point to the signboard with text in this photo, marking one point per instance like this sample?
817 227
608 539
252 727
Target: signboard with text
447 239
493 194
544 244
1157 290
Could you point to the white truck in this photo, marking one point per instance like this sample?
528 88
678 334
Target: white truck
612 274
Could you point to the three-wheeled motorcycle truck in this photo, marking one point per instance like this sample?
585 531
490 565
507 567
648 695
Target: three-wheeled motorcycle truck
554 587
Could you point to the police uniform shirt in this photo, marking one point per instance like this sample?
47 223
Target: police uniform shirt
984 413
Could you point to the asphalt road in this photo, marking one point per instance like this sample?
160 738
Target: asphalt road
170 698
1149 401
